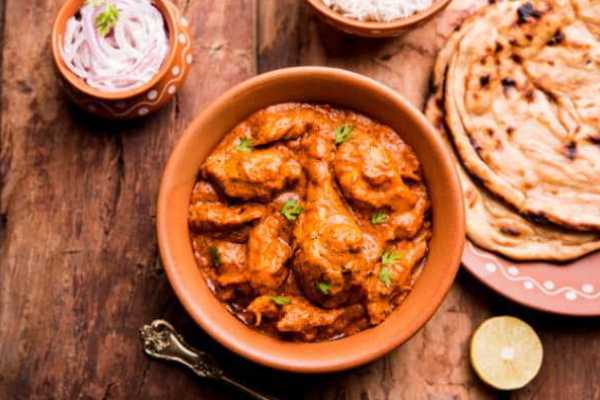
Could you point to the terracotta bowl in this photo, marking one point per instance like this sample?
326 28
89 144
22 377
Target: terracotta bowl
376 29
142 100
343 89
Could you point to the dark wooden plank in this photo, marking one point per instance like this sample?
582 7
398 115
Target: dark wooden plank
79 272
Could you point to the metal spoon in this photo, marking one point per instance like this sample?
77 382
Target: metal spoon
161 341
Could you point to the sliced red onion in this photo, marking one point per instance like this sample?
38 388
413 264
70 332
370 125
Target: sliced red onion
129 56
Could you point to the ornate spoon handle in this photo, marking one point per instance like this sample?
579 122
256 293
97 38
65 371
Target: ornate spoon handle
161 341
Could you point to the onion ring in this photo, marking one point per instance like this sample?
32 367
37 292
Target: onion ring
129 56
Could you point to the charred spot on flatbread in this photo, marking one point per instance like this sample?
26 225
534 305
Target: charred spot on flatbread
475 145
510 231
538 218
507 84
557 38
484 81
594 139
527 13
530 95
571 150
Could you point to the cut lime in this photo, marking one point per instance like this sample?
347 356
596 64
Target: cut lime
506 353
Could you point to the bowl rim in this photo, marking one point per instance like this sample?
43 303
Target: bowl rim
366 26
166 9
247 349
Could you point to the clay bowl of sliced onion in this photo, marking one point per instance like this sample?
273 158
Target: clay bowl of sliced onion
377 19
121 59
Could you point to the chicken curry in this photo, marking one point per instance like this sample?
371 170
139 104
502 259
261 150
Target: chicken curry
309 222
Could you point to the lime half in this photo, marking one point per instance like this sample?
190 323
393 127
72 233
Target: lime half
506 353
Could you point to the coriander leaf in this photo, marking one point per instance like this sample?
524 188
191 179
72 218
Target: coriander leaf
291 210
281 300
215 256
385 276
379 217
107 19
390 257
244 145
343 133
324 287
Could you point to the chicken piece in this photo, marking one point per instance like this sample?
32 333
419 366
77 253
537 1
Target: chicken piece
317 146
213 216
254 174
370 176
264 307
225 265
409 167
373 179
209 215
300 318
405 225
268 251
392 276
329 263
203 191
281 123
291 287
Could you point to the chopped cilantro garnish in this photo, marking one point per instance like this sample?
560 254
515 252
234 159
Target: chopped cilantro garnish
324 287
343 133
107 19
390 257
244 145
281 300
215 256
385 276
291 210
379 217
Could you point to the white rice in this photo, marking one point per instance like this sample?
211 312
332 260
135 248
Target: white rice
377 10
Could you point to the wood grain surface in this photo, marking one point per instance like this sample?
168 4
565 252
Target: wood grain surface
79 269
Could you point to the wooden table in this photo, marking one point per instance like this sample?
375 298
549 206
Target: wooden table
79 268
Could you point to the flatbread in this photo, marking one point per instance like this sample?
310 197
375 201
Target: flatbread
522 104
490 223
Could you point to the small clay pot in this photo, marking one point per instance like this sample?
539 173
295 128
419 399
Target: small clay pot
342 89
139 101
376 29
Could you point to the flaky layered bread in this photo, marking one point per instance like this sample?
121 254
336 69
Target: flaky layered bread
522 103
490 223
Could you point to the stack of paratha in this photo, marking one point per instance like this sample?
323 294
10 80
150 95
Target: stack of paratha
517 93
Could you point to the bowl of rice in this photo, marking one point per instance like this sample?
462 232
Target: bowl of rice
121 59
377 18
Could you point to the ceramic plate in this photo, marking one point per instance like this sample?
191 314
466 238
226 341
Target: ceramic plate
567 288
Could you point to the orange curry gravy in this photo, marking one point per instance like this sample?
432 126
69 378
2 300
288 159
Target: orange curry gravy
310 222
